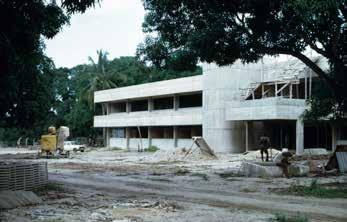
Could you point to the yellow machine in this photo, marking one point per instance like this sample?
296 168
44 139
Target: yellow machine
52 145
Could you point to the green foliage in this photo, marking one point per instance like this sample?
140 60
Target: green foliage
322 104
151 149
223 31
317 190
27 98
280 217
157 53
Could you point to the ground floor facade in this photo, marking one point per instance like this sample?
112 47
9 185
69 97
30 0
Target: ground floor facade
163 137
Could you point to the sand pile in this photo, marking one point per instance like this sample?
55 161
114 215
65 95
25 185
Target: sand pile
179 154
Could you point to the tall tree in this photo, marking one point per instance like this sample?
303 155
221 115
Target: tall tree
223 31
98 78
24 24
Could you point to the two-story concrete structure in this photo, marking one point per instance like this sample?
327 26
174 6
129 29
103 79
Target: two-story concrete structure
230 106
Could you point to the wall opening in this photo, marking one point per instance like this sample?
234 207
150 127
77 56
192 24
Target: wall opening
342 133
192 100
139 105
318 136
162 132
135 133
118 133
118 107
163 103
187 132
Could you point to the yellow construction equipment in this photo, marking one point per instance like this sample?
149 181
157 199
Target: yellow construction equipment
52 145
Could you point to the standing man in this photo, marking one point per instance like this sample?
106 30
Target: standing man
264 144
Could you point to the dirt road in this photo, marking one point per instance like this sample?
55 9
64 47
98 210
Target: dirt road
115 186
213 193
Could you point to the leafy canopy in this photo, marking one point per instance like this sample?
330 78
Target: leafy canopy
223 31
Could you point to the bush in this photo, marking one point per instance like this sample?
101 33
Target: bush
317 190
280 217
151 149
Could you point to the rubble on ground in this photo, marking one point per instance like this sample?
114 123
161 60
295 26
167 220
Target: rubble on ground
179 154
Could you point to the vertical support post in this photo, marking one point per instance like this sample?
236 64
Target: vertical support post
333 138
299 137
276 89
290 90
149 136
108 108
108 137
150 104
127 137
128 106
176 102
175 136
310 87
262 90
246 143
305 86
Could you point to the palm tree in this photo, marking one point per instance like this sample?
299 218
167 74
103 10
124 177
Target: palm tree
98 78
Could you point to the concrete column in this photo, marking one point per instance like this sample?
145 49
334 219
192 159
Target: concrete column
128 106
299 137
108 108
149 136
108 137
150 104
246 142
176 102
333 138
175 135
127 136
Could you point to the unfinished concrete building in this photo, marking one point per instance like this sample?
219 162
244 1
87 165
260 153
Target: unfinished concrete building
230 106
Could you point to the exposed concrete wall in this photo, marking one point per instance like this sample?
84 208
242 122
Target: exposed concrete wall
134 143
185 116
184 143
163 144
168 87
223 84
118 142
264 109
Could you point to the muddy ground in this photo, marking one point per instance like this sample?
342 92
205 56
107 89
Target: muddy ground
113 185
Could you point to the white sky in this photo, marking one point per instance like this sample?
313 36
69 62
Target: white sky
115 27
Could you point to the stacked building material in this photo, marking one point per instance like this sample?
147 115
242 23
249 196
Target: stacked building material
22 175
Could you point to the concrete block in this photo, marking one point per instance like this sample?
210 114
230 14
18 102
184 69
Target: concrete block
256 170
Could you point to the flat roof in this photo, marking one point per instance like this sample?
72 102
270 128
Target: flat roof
153 89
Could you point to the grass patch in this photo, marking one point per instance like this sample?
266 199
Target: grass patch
227 175
248 190
317 190
116 149
182 172
280 217
201 175
151 149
